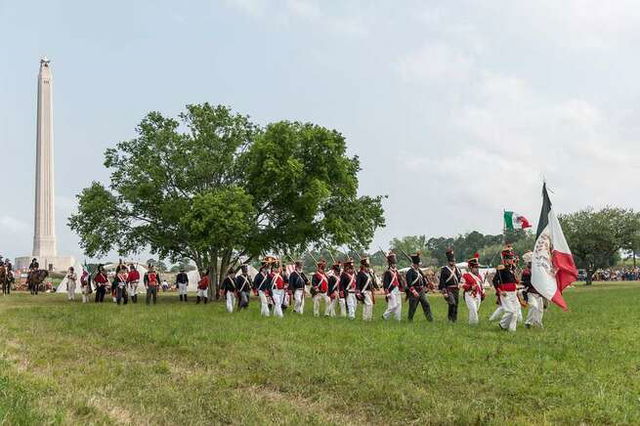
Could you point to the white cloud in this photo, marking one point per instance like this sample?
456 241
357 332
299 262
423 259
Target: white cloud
343 21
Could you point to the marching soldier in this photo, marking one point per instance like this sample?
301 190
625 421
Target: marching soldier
243 284
320 289
261 286
506 284
203 287
366 283
417 286
473 291
229 289
333 291
278 288
348 288
297 283
450 276
132 283
182 281
392 285
534 299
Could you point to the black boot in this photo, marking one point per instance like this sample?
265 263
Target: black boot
197 300
205 300
185 297
181 298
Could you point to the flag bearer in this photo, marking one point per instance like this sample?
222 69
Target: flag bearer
392 285
534 300
473 291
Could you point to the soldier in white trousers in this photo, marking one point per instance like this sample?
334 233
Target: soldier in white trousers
297 283
392 283
348 288
182 281
366 283
262 286
506 282
72 277
229 289
278 288
333 292
320 289
133 278
473 290
534 300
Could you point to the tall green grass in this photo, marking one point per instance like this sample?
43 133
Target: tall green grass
177 363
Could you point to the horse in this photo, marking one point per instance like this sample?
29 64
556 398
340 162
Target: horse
35 279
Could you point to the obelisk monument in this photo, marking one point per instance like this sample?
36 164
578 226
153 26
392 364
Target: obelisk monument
44 235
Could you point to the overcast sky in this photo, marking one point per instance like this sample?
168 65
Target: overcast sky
456 109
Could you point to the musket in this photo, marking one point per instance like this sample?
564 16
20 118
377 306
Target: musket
406 255
331 255
312 256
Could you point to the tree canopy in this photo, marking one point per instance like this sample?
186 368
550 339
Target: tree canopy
596 237
216 188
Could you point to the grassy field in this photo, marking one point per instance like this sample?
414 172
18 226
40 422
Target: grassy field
68 363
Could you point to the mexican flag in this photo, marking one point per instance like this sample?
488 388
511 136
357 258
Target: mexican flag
552 266
513 220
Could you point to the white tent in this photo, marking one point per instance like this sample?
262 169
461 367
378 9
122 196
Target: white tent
62 287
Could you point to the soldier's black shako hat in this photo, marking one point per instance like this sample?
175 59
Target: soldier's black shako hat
473 262
364 261
451 257
415 258
392 259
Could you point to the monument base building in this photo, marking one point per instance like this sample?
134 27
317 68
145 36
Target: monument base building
52 264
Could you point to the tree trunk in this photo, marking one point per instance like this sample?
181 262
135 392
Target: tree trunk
634 259
214 289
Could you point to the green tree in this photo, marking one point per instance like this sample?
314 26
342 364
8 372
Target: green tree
213 187
596 237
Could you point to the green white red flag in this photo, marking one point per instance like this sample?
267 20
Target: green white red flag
513 220
552 265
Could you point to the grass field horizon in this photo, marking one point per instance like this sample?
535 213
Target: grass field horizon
177 363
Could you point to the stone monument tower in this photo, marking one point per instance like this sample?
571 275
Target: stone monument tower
44 236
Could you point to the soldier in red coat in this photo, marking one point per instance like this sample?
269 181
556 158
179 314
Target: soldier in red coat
203 287
473 290
320 288
393 287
